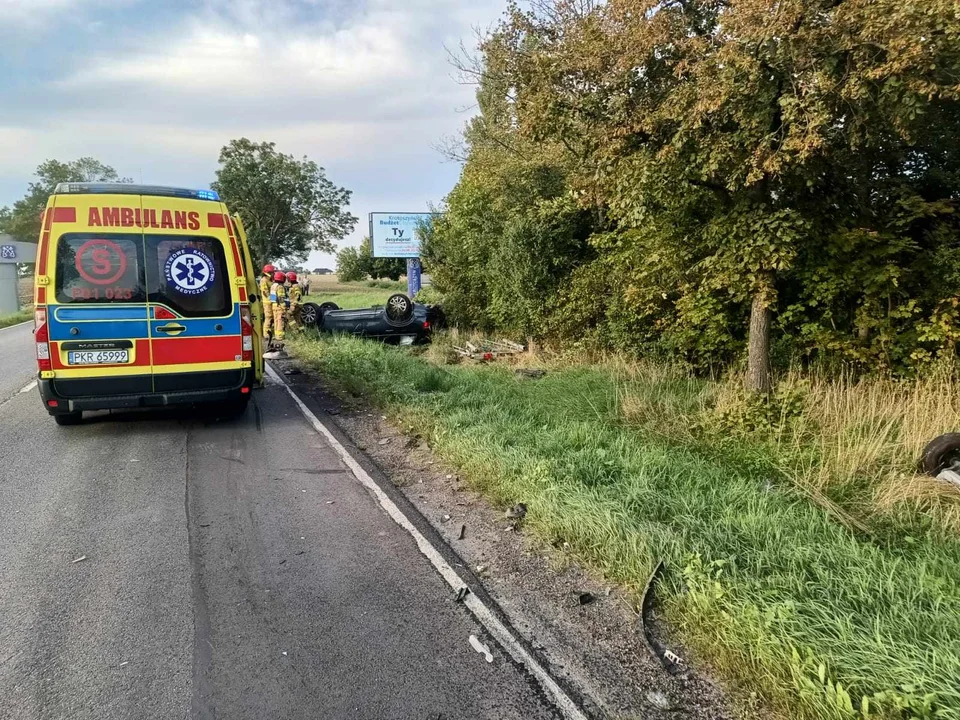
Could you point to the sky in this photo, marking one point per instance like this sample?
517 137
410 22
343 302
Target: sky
155 88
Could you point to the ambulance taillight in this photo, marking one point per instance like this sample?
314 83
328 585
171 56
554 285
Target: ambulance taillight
246 330
42 338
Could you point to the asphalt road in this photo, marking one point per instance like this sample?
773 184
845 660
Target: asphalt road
18 365
233 569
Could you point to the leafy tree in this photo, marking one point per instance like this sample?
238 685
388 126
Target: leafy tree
288 206
510 233
756 175
357 263
349 268
22 220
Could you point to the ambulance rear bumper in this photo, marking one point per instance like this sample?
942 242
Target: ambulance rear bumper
192 389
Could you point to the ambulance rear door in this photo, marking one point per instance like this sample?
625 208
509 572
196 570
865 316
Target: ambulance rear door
93 281
196 326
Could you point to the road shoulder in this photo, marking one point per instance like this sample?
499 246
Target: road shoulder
585 630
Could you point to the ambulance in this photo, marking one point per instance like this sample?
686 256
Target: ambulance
145 297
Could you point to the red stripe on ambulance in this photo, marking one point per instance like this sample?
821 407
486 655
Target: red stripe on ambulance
65 215
178 351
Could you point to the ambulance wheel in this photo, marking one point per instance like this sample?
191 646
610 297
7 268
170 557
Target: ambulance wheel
73 418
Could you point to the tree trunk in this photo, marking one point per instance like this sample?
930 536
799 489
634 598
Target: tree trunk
758 354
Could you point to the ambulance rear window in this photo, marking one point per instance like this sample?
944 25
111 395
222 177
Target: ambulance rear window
99 268
189 275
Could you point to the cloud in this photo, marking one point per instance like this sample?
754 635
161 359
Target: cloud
361 86
32 12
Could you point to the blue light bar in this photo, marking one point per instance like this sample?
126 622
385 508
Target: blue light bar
131 189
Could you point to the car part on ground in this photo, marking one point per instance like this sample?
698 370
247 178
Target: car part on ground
489 349
941 458
399 320
670 661
940 453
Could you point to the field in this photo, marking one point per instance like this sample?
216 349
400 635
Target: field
807 563
327 288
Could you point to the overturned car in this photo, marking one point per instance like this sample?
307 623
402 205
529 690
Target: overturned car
400 321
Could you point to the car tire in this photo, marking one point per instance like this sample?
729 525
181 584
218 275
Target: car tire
74 418
399 308
940 453
310 314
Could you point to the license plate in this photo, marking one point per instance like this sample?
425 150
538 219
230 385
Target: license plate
98 357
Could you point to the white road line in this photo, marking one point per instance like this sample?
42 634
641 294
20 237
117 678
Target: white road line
480 611
25 389
11 327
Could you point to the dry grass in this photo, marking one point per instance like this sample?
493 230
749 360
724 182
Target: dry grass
849 444
868 434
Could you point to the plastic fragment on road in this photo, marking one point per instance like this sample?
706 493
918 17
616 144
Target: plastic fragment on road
462 593
463 532
659 700
79 560
481 648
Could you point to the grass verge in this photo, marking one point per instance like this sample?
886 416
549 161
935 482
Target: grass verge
16 318
630 464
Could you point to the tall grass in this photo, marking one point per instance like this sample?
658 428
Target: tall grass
632 463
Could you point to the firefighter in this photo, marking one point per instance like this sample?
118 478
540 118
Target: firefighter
295 297
278 297
265 281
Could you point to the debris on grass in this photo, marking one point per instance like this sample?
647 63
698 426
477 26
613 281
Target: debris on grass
670 661
532 373
488 350
517 512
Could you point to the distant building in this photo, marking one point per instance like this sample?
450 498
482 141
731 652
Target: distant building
322 271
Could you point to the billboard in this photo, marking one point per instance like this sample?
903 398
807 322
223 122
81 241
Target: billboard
396 235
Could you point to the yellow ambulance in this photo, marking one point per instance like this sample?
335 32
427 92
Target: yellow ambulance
145 297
